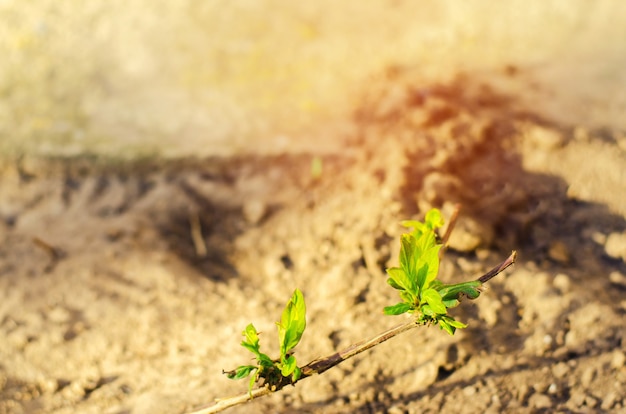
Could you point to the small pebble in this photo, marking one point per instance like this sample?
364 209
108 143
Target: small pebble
609 400
562 282
522 392
395 410
559 252
469 391
576 399
618 360
539 401
616 245
591 402
542 138
553 388
581 134
617 278
587 377
560 370
254 210
598 237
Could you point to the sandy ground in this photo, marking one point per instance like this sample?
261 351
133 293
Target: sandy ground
130 265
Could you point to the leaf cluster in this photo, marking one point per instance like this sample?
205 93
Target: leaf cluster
284 370
421 294
416 278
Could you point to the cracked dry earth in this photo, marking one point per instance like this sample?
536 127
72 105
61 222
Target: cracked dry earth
125 285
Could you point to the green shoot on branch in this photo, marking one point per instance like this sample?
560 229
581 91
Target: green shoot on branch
276 373
421 294
416 278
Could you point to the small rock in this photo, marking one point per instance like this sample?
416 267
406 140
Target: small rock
562 282
617 278
587 377
560 370
539 401
618 360
427 374
469 234
544 138
616 245
48 385
576 399
581 134
254 210
591 401
553 388
482 254
598 237
74 391
609 400
58 314
395 410
522 392
469 391
559 252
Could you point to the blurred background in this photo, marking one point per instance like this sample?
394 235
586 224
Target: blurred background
173 78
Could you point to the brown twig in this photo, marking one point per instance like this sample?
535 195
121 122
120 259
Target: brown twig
499 268
451 224
316 366
225 403
53 252
319 365
196 234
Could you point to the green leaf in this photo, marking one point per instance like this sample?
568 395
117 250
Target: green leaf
240 372
292 323
251 343
265 360
297 373
417 226
427 310
431 256
425 241
399 278
446 327
451 303
251 338
397 309
394 284
422 273
449 324
432 297
407 254
251 383
456 324
408 297
451 292
288 366
433 219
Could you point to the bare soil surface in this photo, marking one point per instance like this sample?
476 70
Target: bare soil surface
124 286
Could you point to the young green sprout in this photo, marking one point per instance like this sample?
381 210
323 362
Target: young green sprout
421 294
416 278
275 373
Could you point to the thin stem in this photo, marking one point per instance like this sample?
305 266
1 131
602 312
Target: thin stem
322 364
499 268
451 224
225 403
316 366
